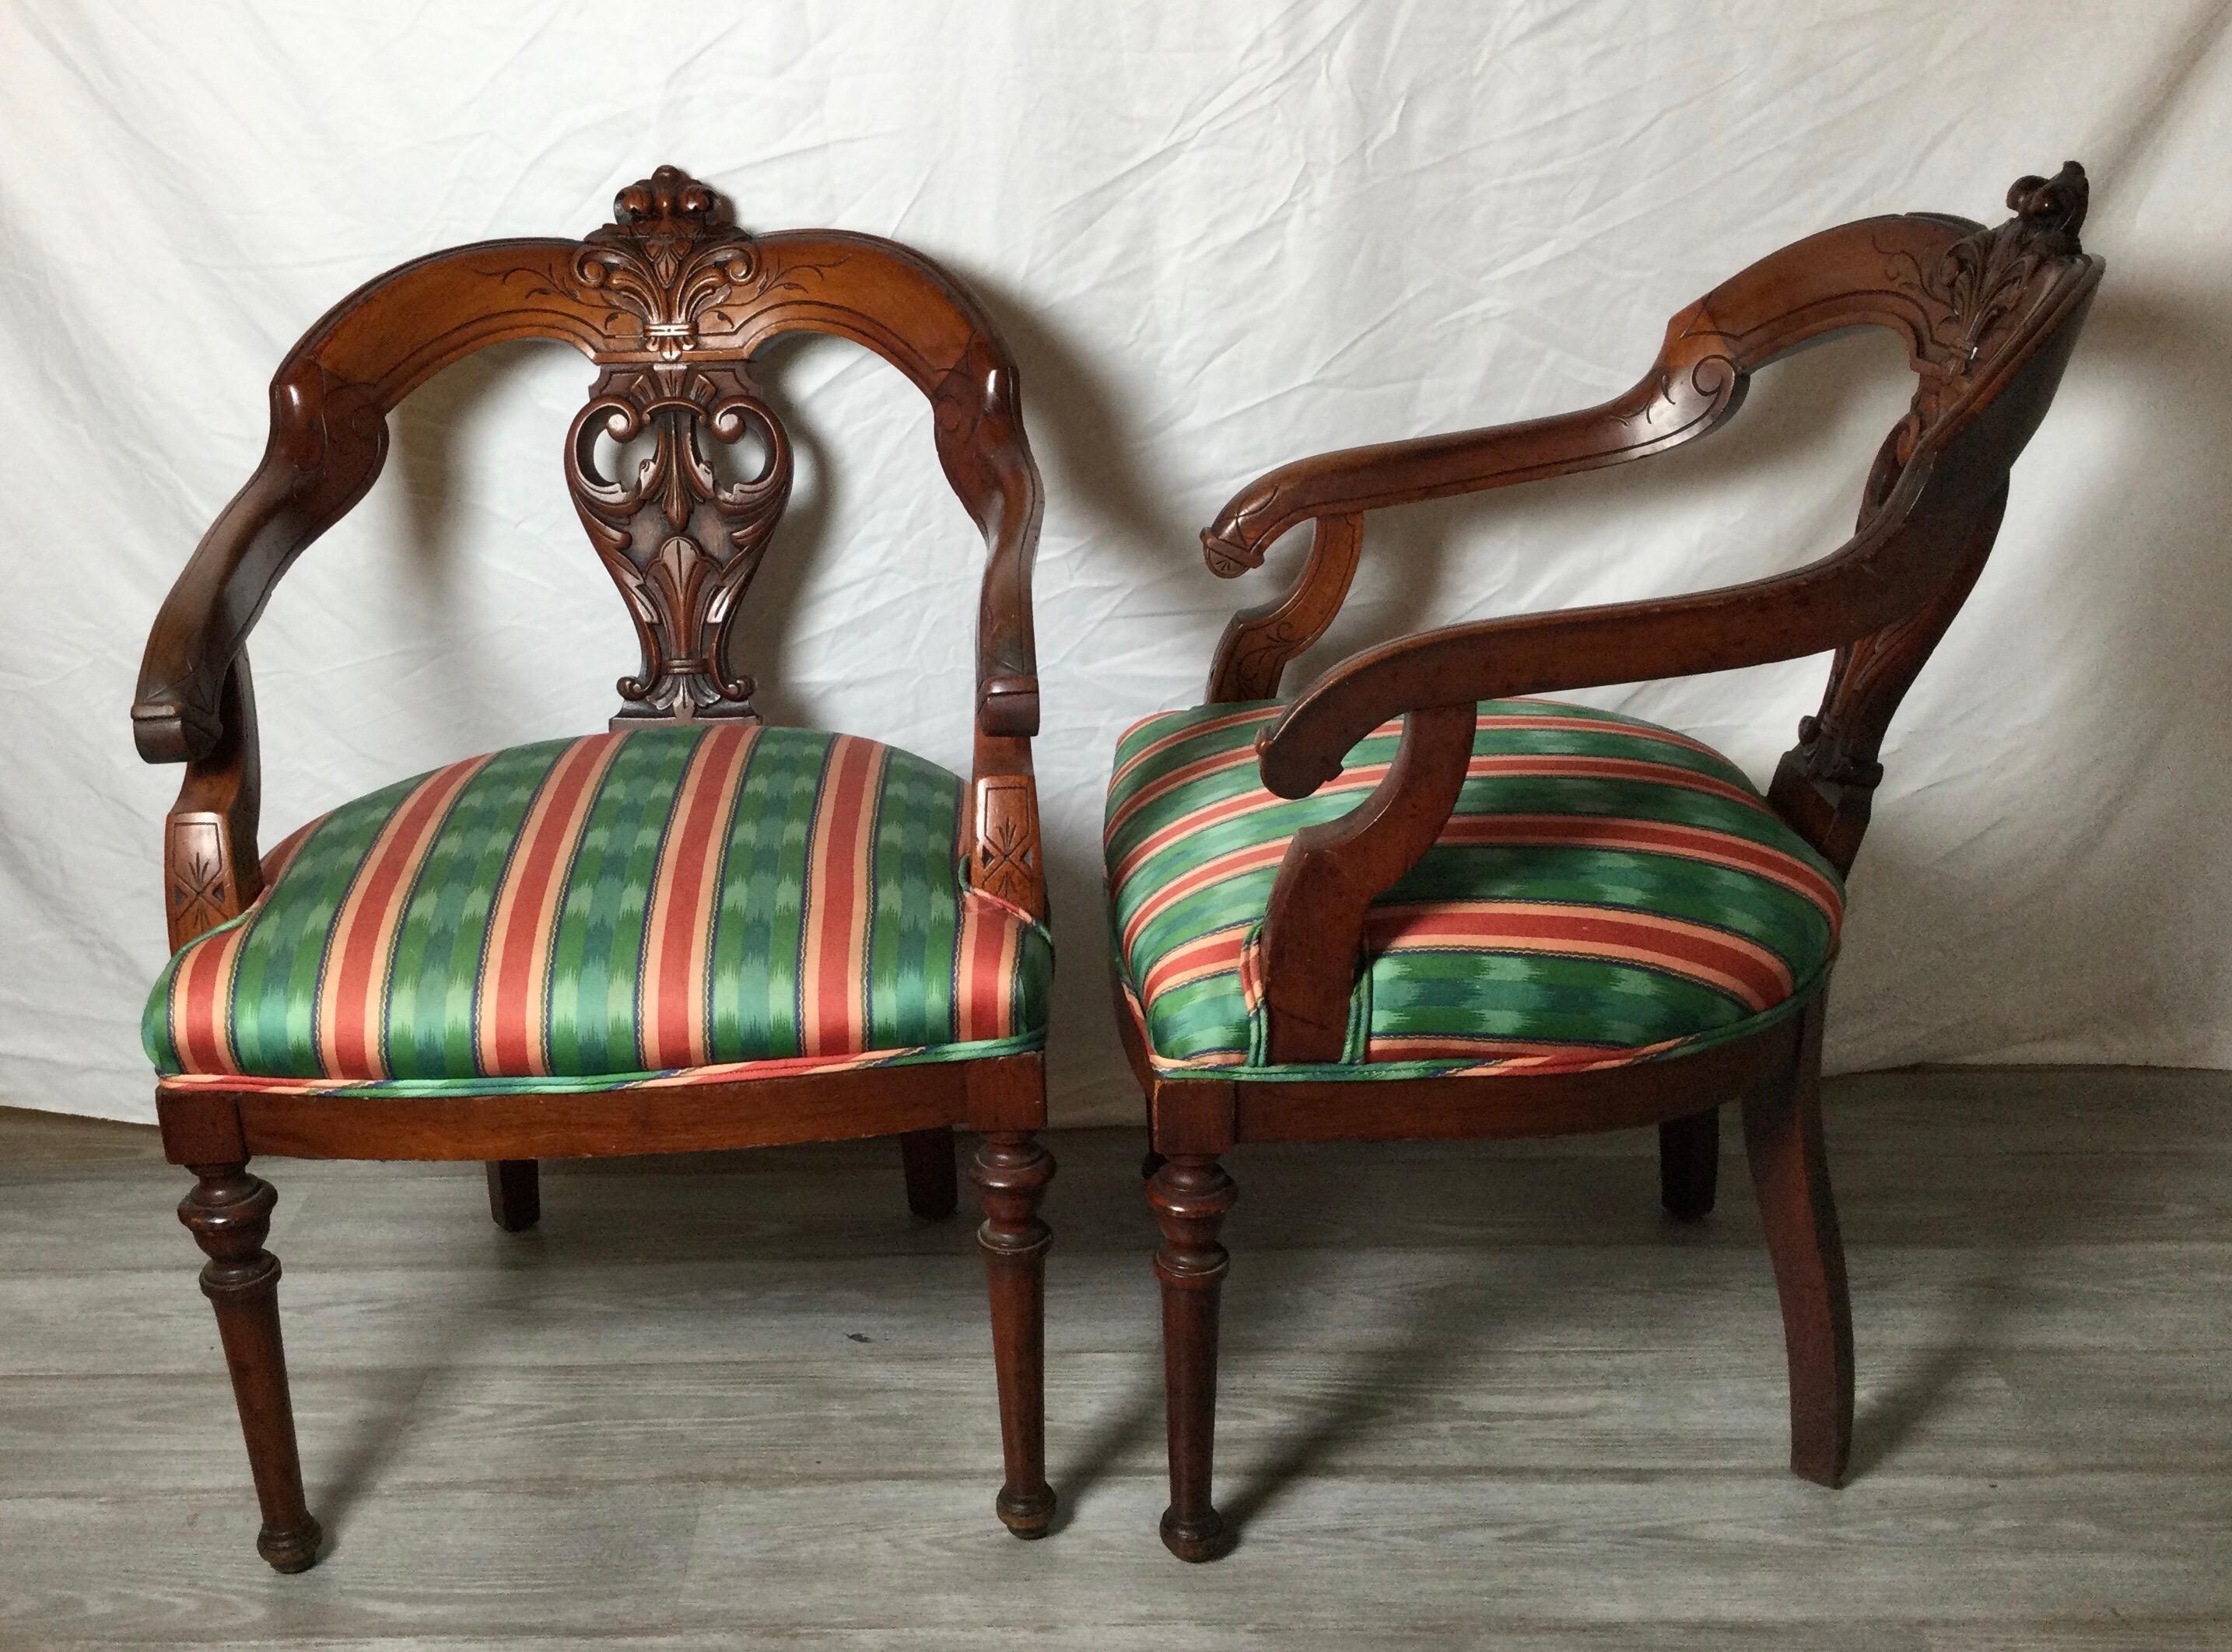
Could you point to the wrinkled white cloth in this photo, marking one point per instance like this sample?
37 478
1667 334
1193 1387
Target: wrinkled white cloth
1217 238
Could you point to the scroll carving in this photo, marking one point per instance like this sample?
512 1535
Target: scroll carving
673 275
680 543
1971 296
1259 641
1974 298
668 267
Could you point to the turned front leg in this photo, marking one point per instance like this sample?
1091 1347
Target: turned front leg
1012 1172
229 1212
1190 1195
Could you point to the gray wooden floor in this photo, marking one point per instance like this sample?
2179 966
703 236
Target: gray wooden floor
1474 1395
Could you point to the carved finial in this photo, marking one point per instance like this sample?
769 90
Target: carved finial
2052 208
670 193
666 268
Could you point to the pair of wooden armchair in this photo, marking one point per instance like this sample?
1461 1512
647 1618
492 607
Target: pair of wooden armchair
1411 902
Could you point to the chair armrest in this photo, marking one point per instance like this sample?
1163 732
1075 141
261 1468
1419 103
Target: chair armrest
1314 924
1690 390
327 443
989 461
1882 573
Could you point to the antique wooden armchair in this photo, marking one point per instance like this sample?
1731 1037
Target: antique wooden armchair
1409 904
690 932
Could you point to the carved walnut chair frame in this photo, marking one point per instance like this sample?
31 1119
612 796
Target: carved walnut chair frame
1989 317
669 301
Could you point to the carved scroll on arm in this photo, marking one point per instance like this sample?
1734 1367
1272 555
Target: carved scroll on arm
1258 642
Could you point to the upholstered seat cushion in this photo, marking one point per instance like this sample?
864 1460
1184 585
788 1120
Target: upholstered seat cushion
1606 891
674 904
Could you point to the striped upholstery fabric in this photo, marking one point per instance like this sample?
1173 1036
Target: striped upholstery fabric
1606 891
671 904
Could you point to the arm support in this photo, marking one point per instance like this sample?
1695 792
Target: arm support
327 443
1690 390
1879 576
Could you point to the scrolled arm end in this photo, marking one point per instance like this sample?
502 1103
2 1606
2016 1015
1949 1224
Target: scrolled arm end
169 732
1290 770
1234 543
1227 555
1008 706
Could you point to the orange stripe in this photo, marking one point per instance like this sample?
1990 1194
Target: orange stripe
201 1003
983 999
1215 954
724 1072
1235 863
670 1024
1483 765
351 1010
509 1035
1245 756
1207 725
1740 968
833 976
1652 837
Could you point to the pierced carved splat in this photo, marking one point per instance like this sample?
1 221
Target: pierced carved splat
681 544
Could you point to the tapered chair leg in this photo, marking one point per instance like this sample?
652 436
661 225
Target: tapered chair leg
1790 1172
515 1193
229 1212
932 1187
1690 1164
1011 1173
1190 1195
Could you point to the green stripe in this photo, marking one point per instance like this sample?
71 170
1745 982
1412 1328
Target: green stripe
428 1030
596 946
912 926
1602 1003
274 992
600 903
759 916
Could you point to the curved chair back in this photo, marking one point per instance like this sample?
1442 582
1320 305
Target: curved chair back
669 301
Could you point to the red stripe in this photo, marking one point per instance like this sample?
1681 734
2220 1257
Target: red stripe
1657 837
511 1029
1215 954
1507 765
982 991
367 919
1235 863
836 910
1729 961
201 1014
1192 730
673 1035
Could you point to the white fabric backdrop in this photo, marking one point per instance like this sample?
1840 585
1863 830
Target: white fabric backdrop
1217 238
